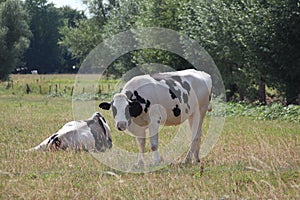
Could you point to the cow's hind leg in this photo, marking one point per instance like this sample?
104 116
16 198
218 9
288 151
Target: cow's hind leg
195 122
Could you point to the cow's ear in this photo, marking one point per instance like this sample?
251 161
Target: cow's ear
135 108
105 105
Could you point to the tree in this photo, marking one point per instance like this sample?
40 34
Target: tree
138 14
44 53
236 34
283 57
14 36
164 14
70 17
254 43
84 34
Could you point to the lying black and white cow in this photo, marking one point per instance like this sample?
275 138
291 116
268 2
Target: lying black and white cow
170 98
92 134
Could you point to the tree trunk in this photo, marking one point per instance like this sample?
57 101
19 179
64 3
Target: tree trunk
262 91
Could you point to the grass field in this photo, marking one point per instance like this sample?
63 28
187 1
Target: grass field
252 159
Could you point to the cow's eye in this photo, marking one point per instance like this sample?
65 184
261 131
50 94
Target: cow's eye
114 110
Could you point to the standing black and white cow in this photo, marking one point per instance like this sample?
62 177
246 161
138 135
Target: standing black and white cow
92 134
170 98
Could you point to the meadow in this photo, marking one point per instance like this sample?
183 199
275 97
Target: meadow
253 158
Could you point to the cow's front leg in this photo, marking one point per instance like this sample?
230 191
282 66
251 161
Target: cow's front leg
158 116
153 131
141 143
154 148
140 133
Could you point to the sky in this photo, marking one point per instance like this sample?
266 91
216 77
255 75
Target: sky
75 4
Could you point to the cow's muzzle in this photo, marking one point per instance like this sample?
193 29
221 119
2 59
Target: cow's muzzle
122 125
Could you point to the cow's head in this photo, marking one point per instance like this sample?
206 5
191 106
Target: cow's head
123 109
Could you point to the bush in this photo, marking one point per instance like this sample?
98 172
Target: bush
269 112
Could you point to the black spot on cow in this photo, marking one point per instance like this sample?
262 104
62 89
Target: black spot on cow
105 105
135 109
101 124
136 101
186 86
173 96
175 93
177 78
171 83
139 98
176 111
52 137
183 84
147 106
186 100
57 143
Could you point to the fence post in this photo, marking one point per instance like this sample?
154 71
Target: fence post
72 91
8 85
99 90
27 88
56 89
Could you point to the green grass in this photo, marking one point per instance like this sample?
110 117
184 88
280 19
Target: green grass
253 159
265 112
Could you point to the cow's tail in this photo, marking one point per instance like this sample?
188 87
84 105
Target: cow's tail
209 107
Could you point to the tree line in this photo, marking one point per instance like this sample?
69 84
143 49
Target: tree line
29 36
254 43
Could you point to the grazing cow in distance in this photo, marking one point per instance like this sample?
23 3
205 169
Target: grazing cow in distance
92 134
169 98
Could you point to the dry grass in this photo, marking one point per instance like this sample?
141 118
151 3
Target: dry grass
252 160
59 85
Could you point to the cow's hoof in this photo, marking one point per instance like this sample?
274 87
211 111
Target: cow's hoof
139 165
159 161
187 160
157 165
138 168
197 162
